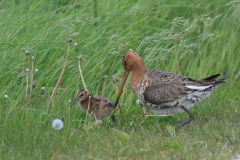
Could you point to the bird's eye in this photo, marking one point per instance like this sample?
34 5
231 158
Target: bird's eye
125 62
81 95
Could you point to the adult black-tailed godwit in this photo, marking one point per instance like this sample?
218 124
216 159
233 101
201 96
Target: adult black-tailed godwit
162 92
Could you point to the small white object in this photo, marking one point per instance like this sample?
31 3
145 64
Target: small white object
57 124
36 70
75 44
99 121
198 87
130 50
6 96
27 70
137 101
43 88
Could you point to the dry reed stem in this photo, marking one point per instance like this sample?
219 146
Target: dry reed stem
146 115
35 100
59 80
63 94
29 64
89 99
72 134
26 96
39 96
79 66
26 89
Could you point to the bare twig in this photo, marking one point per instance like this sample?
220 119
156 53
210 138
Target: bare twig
29 64
31 83
72 134
26 93
59 80
27 86
39 96
35 100
63 94
146 115
79 66
89 99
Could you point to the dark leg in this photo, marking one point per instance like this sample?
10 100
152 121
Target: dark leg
114 120
191 117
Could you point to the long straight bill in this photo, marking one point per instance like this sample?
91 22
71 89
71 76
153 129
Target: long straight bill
125 76
73 101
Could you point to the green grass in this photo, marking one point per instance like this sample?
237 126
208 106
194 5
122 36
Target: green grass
193 38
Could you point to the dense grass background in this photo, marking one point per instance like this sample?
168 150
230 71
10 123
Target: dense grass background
193 38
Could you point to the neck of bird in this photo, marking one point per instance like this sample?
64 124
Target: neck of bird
139 68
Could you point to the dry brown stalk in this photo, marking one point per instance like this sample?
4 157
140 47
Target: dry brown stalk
59 80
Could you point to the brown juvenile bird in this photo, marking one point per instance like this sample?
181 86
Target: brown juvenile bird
162 92
83 97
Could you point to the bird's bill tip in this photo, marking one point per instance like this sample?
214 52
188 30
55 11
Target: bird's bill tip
125 76
73 101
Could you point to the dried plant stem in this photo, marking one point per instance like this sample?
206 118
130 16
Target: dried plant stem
31 85
26 89
29 64
39 96
69 106
79 66
63 94
35 100
146 115
59 80
26 95
89 99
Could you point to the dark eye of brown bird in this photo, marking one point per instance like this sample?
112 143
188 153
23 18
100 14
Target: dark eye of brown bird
82 95
125 62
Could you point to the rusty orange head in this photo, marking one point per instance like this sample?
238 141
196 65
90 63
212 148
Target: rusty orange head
131 62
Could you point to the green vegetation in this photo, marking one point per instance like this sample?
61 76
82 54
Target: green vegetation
193 38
